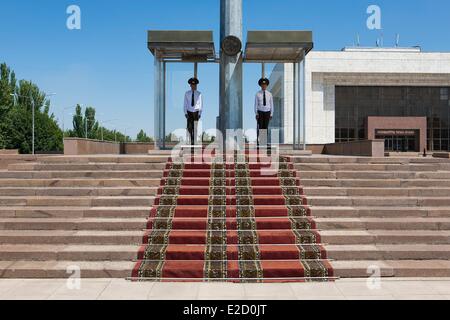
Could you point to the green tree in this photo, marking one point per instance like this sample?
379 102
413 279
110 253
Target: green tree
8 84
91 124
142 137
16 116
77 122
86 124
113 135
95 131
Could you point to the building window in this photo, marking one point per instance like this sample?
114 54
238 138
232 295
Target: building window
355 103
444 94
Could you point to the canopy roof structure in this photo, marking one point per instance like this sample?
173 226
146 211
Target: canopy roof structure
278 46
188 46
263 47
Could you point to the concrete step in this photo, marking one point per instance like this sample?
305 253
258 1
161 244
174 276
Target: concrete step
50 252
383 175
391 268
379 212
389 252
369 167
366 160
377 192
375 183
108 224
104 252
141 223
68 252
94 237
81 183
64 269
365 201
75 212
156 158
127 212
332 237
341 237
81 174
403 223
122 269
78 191
86 166
62 201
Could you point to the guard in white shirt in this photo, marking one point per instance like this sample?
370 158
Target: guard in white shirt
193 107
263 106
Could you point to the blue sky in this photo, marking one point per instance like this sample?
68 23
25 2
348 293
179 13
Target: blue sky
106 64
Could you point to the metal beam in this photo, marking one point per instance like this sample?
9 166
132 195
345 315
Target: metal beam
174 60
158 70
271 46
302 90
163 104
231 111
295 107
190 46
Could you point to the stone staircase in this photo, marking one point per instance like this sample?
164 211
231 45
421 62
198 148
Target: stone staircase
90 212
389 215
86 213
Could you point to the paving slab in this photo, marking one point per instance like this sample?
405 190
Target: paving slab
113 289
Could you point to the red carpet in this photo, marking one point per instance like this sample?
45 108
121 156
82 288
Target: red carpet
233 222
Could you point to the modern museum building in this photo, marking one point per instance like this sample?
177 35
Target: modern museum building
401 95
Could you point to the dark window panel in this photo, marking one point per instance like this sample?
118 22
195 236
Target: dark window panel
445 145
436 134
361 134
436 145
352 133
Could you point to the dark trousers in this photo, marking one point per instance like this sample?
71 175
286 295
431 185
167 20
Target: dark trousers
263 123
192 118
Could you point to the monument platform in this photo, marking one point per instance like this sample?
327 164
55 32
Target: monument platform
387 215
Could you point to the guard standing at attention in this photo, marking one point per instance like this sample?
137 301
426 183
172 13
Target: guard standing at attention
193 107
263 106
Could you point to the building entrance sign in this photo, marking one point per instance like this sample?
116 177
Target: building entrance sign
396 132
410 138
399 140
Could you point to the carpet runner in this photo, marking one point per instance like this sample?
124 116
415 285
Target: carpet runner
231 222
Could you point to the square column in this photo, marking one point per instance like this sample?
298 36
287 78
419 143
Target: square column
231 69
160 102
299 114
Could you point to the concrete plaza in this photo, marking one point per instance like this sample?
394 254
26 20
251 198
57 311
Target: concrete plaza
120 289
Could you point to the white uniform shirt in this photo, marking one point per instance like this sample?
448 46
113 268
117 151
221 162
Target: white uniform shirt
198 102
259 102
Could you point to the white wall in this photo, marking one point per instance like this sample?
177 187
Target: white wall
282 87
288 105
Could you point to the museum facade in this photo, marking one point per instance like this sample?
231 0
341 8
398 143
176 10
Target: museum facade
401 95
